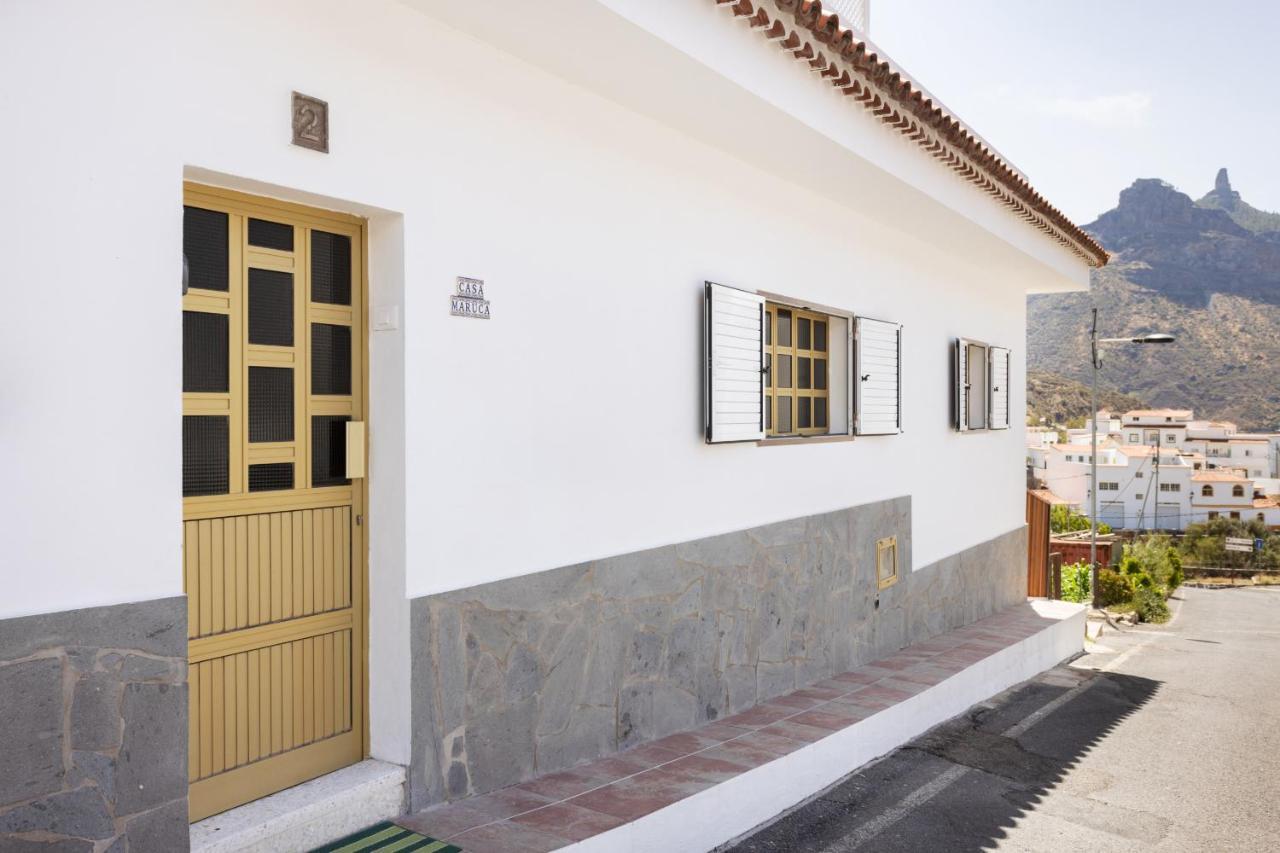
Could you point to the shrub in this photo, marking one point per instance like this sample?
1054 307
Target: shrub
1063 520
1113 588
1150 606
1075 582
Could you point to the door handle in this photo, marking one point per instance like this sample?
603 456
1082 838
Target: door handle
355 450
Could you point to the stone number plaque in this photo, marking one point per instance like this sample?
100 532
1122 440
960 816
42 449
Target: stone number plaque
310 122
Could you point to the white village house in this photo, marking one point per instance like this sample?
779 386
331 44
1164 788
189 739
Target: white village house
1205 470
415 399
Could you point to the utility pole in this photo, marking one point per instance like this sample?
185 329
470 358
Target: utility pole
1093 461
1156 486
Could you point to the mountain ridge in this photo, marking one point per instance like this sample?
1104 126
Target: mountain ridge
1206 271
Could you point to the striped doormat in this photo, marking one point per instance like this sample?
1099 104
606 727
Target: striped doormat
387 837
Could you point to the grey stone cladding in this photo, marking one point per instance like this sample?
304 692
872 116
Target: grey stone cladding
526 676
93 730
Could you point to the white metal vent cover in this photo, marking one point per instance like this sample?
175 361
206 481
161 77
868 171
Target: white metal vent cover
853 13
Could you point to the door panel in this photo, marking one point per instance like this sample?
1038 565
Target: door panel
273 529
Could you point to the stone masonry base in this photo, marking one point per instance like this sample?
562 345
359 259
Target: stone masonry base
93 730
519 678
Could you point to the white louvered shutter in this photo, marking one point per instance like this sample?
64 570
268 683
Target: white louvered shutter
733 387
878 377
998 366
960 394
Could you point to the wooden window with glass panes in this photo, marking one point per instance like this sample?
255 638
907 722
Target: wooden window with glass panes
797 353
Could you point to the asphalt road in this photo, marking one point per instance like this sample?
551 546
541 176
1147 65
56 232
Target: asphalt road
1163 738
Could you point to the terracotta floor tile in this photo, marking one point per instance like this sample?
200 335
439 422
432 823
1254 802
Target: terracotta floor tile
799 703
833 684
507 837
445 821
820 718
722 730
748 755
796 731
703 768
870 703
821 693
651 755
570 822
894 663
637 796
687 742
877 691
926 674
562 785
902 685
760 715
775 743
860 677
611 768
506 802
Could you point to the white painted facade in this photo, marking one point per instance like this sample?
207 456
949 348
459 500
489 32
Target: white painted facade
594 163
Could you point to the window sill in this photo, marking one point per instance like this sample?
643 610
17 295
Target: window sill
802 439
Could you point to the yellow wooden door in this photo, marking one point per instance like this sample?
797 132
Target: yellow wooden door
273 503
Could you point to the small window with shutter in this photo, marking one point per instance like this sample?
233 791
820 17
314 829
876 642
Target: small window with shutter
734 380
998 368
778 369
980 397
878 377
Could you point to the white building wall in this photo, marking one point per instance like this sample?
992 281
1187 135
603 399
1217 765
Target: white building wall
564 429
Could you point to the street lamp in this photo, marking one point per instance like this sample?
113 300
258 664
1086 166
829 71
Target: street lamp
1096 361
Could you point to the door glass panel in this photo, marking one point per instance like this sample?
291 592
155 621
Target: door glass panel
820 412
768 327
784 414
768 370
330 359
205 448
802 333
805 415
768 412
204 352
330 268
804 378
784 328
329 450
271 235
270 308
819 336
271 476
820 374
204 248
270 404
784 371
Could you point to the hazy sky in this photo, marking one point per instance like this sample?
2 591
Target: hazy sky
1087 95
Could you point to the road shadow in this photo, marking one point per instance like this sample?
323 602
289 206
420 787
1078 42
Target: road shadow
962 785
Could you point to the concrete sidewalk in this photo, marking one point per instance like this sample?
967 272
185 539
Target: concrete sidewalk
1162 738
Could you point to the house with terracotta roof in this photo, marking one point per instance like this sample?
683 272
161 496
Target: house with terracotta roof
576 422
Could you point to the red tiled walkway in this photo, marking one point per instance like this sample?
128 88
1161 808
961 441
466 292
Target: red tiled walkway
572 805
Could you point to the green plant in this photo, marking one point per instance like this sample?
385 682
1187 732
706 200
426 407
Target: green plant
1063 520
1075 582
1150 606
1113 588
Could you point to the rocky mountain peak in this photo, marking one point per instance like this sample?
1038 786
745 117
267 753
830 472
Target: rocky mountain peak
1152 210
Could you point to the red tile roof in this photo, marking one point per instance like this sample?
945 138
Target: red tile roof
852 65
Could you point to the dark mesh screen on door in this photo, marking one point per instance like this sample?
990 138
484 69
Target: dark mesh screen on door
330 359
330 268
205 449
271 235
329 450
270 404
271 308
204 351
204 246
271 477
